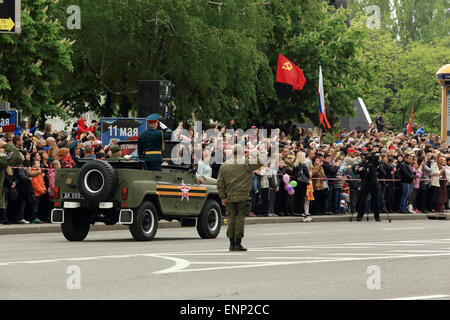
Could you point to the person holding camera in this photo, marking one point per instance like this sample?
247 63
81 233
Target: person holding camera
367 171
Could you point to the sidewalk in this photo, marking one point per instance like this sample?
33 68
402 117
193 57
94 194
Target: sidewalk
56 228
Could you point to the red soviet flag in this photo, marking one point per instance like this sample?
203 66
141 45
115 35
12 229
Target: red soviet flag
289 73
409 128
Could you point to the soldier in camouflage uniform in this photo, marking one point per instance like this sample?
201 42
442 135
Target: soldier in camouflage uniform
116 152
9 156
234 184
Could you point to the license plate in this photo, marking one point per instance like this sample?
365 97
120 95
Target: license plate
72 196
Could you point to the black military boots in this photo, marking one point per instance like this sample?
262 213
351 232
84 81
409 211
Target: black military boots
238 246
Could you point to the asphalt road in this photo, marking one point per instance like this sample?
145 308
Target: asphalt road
334 260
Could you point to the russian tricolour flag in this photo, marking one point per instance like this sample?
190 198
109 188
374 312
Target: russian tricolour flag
322 109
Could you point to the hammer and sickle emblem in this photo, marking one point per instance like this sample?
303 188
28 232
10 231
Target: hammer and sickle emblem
287 66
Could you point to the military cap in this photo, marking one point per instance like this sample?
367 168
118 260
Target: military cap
153 117
115 149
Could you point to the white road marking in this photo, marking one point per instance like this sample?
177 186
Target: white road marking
339 247
437 296
364 254
434 242
385 244
381 257
425 241
232 262
180 264
280 250
293 258
284 234
399 229
207 254
421 251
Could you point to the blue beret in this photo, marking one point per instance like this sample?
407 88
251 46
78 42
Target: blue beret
153 117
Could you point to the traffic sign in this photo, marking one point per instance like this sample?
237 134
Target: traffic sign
114 130
10 17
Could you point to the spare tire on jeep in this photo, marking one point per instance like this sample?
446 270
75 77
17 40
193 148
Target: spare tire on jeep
97 180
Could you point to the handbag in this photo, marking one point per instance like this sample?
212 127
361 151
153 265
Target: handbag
273 183
302 179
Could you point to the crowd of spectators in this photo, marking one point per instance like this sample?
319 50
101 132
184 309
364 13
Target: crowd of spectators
413 170
29 187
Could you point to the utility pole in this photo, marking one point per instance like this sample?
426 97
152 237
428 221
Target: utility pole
10 16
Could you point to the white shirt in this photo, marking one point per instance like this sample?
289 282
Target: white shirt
204 169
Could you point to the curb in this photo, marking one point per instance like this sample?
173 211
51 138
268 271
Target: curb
56 228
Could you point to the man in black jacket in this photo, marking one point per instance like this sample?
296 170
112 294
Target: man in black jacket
386 187
330 171
406 178
379 121
384 173
369 184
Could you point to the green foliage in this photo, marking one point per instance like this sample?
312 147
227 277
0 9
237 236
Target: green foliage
406 78
212 53
407 52
222 57
410 20
30 63
311 34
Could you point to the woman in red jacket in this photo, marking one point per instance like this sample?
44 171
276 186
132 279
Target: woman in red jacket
82 128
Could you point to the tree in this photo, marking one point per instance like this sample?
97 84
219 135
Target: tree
409 20
30 62
211 51
312 34
406 77
220 55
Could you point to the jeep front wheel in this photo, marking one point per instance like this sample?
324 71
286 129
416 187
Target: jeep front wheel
76 225
145 222
210 220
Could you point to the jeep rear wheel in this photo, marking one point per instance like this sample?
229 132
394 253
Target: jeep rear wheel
210 220
76 225
145 222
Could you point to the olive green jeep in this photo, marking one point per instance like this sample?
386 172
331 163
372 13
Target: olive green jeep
122 191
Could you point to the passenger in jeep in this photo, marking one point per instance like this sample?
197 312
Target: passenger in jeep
151 143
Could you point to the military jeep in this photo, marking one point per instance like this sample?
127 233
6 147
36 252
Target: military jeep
122 191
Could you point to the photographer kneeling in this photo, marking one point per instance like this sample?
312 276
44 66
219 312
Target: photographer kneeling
367 170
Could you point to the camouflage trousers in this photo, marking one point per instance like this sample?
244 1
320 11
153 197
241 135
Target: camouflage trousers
236 212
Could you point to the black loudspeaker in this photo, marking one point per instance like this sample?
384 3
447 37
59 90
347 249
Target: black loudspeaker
155 96
149 101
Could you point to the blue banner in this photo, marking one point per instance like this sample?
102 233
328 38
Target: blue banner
121 129
8 120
